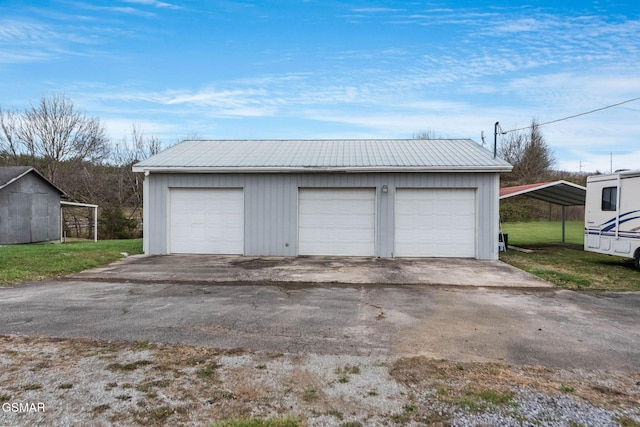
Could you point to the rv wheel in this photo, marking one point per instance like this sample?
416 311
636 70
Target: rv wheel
638 259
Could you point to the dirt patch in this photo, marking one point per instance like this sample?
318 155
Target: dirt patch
258 263
87 382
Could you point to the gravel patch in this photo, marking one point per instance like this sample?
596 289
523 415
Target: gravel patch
87 382
537 409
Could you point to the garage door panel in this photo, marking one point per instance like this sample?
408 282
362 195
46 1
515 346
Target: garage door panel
435 223
207 221
336 221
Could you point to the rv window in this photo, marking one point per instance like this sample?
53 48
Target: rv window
609 198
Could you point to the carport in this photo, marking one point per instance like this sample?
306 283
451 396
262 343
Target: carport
561 193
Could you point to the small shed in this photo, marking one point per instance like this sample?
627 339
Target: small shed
29 206
382 198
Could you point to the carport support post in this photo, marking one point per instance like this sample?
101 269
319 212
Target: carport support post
95 217
563 207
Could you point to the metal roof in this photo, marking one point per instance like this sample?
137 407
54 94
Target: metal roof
324 155
10 174
558 192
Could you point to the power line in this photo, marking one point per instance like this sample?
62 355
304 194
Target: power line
575 115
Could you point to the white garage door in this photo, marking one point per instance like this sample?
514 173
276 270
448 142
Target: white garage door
207 221
435 223
334 221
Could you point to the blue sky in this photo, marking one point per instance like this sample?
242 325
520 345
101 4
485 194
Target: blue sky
336 69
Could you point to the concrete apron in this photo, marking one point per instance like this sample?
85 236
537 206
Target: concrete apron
310 270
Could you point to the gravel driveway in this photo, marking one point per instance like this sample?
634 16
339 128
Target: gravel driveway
87 382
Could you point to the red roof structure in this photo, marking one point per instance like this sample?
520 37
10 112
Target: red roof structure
561 193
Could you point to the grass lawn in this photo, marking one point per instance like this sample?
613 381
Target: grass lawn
536 233
22 263
567 265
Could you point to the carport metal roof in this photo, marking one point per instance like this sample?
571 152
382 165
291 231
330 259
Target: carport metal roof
561 193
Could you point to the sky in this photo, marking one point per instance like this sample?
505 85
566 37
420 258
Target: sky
244 69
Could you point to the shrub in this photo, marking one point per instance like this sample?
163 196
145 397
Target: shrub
113 224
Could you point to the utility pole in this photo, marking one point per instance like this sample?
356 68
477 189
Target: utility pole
611 162
495 138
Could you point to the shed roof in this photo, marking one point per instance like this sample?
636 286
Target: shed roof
10 174
558 192
382 155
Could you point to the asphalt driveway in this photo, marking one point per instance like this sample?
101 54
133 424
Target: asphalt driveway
543 326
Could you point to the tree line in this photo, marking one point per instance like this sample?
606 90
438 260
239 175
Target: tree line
73 151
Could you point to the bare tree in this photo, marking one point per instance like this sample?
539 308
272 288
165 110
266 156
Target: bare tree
127 186
143 147
55 135
426 134
529 154
8 139
192 136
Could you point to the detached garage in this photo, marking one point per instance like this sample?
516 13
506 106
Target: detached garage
384 198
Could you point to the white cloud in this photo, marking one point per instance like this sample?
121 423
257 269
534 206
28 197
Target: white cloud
126 10
7 57
375 10
119 128
154 3
605 162
522 25
29 41
506 65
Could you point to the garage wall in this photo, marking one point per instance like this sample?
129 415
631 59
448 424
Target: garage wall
271 203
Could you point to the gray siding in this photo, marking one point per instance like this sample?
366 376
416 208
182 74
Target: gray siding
271 205
29 211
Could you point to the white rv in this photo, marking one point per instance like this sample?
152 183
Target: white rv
612 215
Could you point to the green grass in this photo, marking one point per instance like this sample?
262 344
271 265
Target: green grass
127 366
478 400
24 263
567 389
310 396
536 233
207 371
567 265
